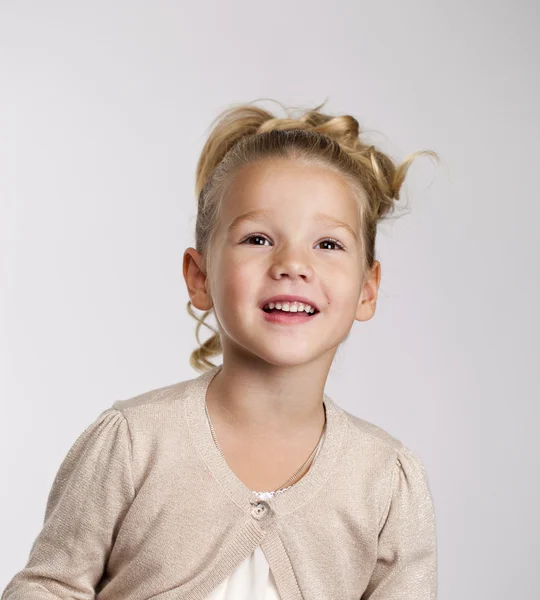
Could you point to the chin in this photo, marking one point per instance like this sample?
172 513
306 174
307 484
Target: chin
286 359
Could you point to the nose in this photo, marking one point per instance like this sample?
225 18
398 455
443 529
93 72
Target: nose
291 263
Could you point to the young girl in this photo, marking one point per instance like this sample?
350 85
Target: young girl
248 482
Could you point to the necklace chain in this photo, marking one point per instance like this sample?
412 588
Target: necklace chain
284 486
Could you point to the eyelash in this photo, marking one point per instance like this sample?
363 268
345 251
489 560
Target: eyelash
253 235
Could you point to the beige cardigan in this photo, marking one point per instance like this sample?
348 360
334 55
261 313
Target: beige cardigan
144 506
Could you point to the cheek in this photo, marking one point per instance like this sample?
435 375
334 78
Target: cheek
343 291
238 286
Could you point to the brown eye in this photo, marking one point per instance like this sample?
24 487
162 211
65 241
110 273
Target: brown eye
331 241
255 237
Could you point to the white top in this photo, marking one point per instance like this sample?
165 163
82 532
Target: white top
252 580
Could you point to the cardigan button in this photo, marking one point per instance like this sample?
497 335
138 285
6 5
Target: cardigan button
259 510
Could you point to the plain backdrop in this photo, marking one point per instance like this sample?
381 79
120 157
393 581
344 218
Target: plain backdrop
104 109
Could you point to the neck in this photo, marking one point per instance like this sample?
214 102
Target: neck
273 403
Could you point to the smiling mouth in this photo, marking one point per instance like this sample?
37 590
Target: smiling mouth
289 312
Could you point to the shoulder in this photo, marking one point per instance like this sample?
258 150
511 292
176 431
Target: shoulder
158 409
363 430
384 444
157 398
401 469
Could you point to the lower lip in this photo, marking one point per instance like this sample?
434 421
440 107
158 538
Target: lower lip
287 318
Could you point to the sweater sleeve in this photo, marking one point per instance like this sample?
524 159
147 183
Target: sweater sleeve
406 567
90 495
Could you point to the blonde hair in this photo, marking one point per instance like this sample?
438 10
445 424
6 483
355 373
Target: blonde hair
244 133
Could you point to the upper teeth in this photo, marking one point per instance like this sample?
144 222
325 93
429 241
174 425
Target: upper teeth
290 306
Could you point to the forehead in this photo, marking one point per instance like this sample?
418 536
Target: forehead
291 189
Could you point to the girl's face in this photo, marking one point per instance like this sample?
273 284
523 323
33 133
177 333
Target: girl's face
288 228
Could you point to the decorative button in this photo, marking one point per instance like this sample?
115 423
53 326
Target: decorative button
259 509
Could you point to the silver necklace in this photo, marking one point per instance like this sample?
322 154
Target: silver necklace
285 486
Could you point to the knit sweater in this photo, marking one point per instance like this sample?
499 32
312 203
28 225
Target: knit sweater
145 506
252 580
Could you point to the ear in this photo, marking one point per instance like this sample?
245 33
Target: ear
368 298
194 269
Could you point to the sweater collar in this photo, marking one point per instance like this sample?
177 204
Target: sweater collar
301 491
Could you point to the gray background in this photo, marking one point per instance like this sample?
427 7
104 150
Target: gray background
104 110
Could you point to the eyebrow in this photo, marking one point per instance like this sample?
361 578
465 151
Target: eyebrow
254 215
